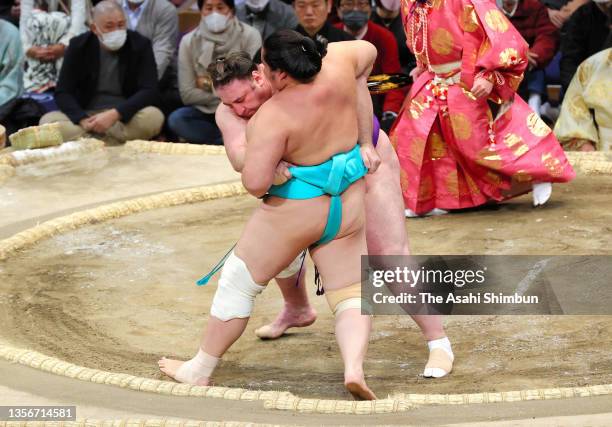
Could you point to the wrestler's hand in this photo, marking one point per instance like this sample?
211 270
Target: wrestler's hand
370 157
482 87
282 173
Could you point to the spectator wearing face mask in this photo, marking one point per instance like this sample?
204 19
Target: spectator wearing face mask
108 84
218 34
355 17
387 14
267 16
530 18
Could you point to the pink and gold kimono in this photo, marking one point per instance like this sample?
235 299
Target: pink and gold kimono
453 152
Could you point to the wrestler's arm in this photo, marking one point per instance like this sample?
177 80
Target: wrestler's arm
233 129
266 145
362 55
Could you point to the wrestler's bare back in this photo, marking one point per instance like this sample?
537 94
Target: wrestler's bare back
315 115
305 124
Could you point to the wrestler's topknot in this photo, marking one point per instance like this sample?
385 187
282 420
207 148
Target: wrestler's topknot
234 66
298 55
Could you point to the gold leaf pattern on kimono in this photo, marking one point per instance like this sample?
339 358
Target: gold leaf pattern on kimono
462 128
442 41
468 21
496 21
537 126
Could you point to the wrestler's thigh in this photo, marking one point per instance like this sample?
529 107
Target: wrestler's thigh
339 261
385 220
277 232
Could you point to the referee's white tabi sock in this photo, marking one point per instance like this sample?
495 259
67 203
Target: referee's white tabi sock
541 193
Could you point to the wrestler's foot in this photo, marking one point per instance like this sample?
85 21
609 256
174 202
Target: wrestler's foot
287 318
434 212
541 193
441 358
357 386
177 370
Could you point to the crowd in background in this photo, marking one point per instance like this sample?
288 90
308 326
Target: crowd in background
120 70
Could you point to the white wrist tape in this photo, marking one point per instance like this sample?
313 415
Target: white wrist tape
236 291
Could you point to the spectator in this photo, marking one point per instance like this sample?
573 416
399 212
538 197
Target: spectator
46 29
267 16
218 34
355 15
11 72
312 16
559 11
585 122
157 20
584 35
10 10
108 82
530 18
387 14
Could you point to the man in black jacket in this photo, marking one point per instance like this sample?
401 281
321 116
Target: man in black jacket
108 83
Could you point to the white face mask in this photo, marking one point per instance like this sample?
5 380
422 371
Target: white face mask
391 5
114 40
215 22
136 1
257 5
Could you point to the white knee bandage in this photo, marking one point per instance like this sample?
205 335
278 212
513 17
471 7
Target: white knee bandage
293 268
236 291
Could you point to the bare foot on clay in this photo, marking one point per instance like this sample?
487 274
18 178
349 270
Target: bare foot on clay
172 368
357 386
287 318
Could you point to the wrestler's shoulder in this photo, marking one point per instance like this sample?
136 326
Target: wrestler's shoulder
224 113
265 114
348 48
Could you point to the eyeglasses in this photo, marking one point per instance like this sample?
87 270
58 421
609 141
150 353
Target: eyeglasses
362 4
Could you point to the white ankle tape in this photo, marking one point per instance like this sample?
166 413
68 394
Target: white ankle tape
236 291
201 366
